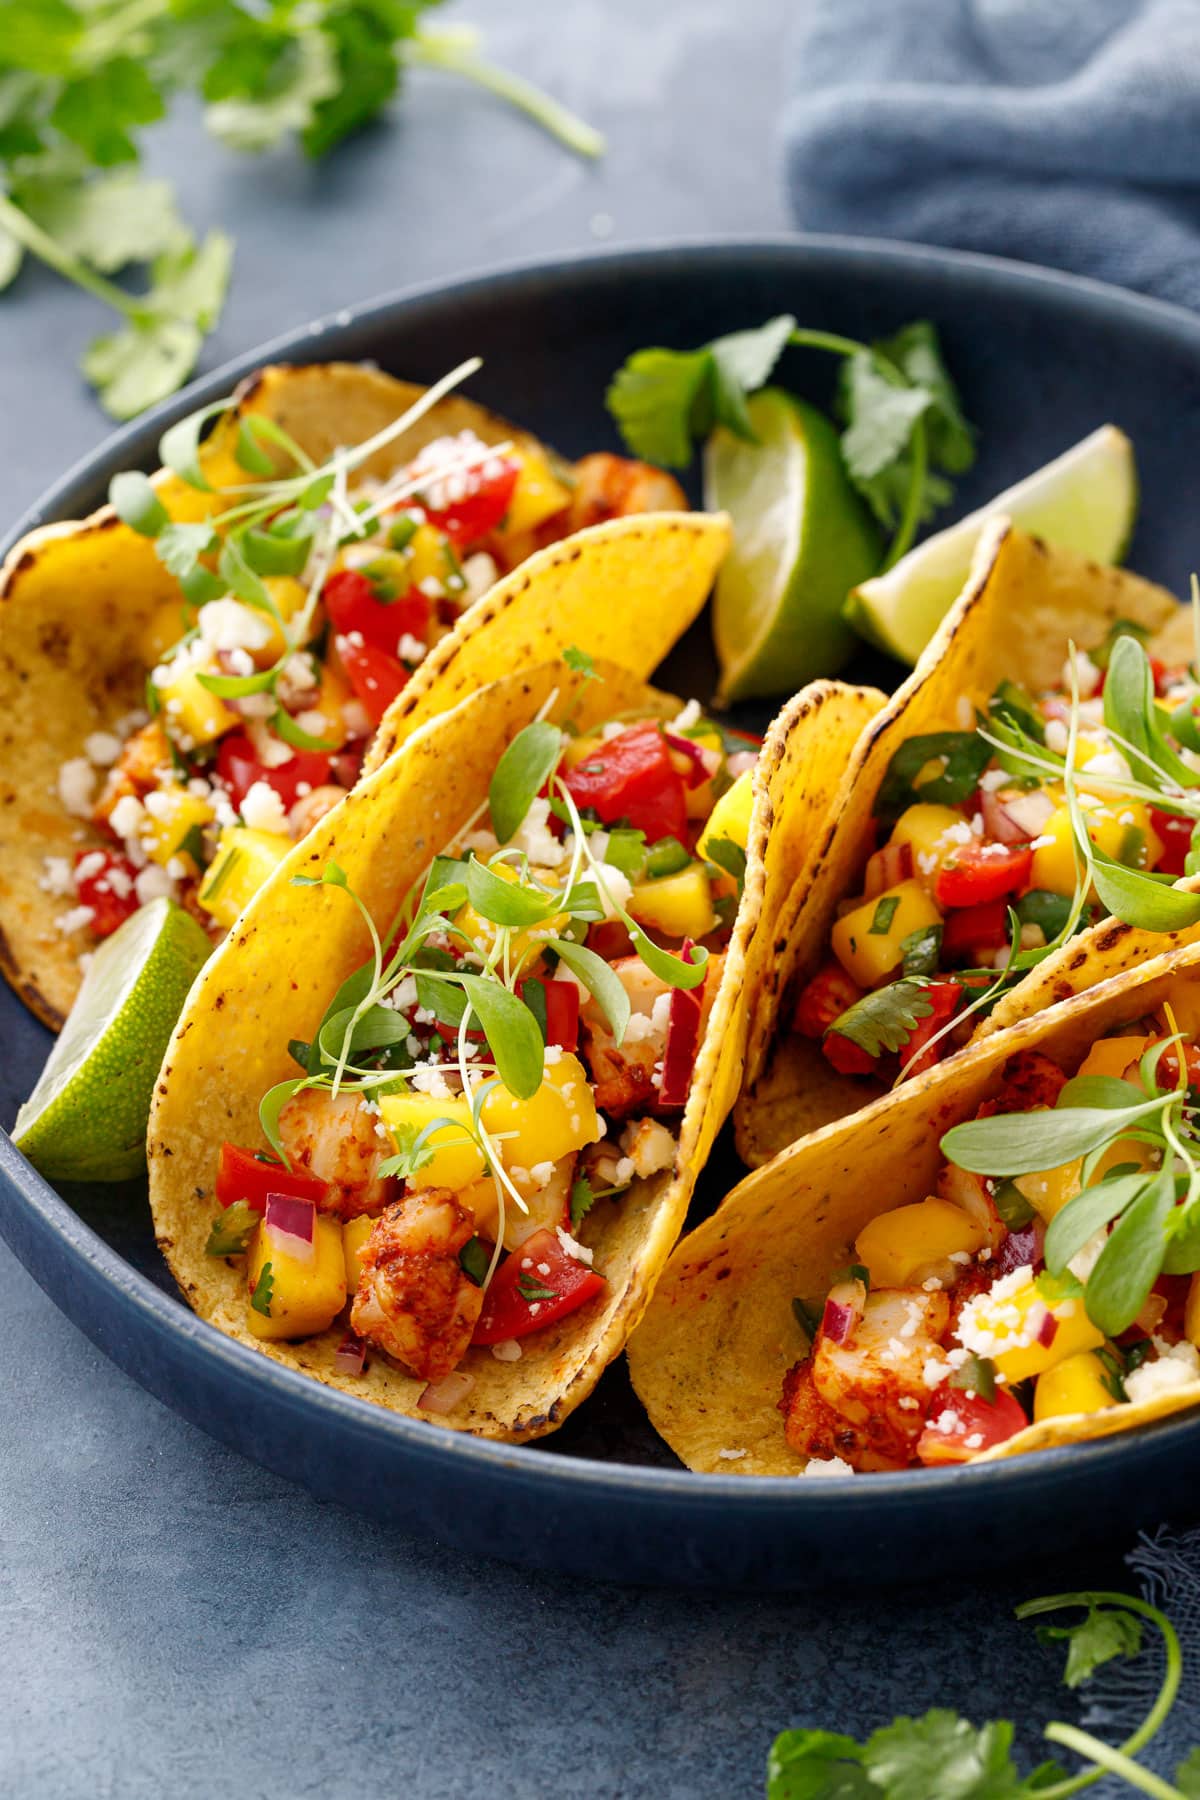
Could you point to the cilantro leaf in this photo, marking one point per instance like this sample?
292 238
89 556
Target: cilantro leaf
109 221
943 1754
1102 1634
264 1289
583 1199
1187 1775
962 755
916 352
276 94
97 111
157 350
885 1019
729 857
580 662
816 1765
665 400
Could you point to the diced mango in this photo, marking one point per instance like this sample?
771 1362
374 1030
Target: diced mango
896 1245
192 715
167 624
1048 1190
1183 997
559 1118
699 799
1120 828
171 813
730 817
245 859
1020 1314
306 1297
869 957
537 496
1075 1385
289 597
457 1158
355 1233
578 749
332 729
427 558
523 943
679 905
924 828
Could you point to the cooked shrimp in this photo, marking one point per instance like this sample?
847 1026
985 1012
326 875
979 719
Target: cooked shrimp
875 1380
313 806
971 1193
624 1076
135 771
813 1429
336 1139
612 487
548 1201
414 1300
1030 1080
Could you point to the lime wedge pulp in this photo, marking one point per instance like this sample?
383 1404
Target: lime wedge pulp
86 1118
1085 500
802 538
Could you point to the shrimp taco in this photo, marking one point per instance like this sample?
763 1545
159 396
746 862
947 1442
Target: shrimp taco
1000 1257
430 1121
1026 801
192 676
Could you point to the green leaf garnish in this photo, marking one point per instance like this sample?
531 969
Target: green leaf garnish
232 1230
583 1198
136 503
885 1019
264 1289
512 1034
881 918
665 400
525 767
1100 1635
963 756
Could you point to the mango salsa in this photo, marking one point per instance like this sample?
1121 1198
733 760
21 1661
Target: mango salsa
244 859
559 1118
171 813
925 828
537 496
896 1245
1075 1385
870 956
730 817
457 1158
192 714
679 905
305 1297
1017 1313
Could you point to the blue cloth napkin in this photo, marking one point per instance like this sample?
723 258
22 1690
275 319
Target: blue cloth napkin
1058 131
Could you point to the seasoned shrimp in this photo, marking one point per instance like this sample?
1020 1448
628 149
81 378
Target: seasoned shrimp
612 487
135 771
813 1429
414 1301
1030 1080
875 1380
336 1139
624 1076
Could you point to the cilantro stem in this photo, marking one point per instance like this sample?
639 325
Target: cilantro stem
1111 1760
48 250
453 52
1088 1746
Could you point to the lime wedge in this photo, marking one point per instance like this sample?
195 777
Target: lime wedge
1084 500
86 1118
801 539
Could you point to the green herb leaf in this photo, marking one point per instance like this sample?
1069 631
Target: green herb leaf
817 1765
1187 1775
626 850
531 1290
135 503
276 553
507 902
284 726
580 662
598 978
881 918
942 1754
964 754
1012 1206
1140 900
376 1029
668 968
730 857
179 446
583 1198
665 400
264 1289
1047 910
885 1019
977 1375
270 1107
232 1230
474 1261
524 768
1102 1634
180 546
512 1034
1132 1259
1028 1143
921 951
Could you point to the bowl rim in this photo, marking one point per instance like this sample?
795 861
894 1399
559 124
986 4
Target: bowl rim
158 1312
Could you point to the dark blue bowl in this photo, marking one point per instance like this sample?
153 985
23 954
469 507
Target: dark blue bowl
1041 360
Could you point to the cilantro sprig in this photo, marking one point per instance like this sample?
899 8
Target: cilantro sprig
943 1754
904 431
82 80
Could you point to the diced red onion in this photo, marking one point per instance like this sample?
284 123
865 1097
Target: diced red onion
351 1355
699 771
740 762
1047 1330
887 868
1015 817
291 1225
444 1395
844 1307
1020 1249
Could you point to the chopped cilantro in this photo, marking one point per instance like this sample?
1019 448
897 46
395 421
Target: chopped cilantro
474 1260
583 1198
532 1290
192 844
580 662
232 1230
220 875
729 857
962 756
1012 1205
264 1288
808 1320
1098 1637
921 950
881 919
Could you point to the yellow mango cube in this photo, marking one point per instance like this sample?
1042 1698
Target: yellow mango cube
1120 828
326 720
537 496
427 556
523 942
1017 1315
896 1245
306 1297
355 1233
1048 1190
1075 1385
869 957
679 905
559 1118
171 813
925 828
191 714
245 859
730 817
288 596
457 1158
1113 1055
167 624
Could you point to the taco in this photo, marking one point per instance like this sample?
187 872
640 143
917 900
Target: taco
1000 1257
1008 812
181 702
429 1123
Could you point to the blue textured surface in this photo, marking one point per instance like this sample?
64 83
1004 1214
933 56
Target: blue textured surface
174 1621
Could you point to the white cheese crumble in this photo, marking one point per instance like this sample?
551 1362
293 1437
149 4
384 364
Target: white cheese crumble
229 625
76 782
535 838
76 919
102 748
649 1146
427 1078
572 1246
479 573
508 1351
819 1466
263 810
152 883
1177 1366
1057 737
58 877
732 1455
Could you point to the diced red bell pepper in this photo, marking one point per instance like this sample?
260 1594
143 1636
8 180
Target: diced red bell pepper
825 998
1176 836
562 1010
108 888
375 676
250 1176
967 930
981 871
487 493
238 768
354 605
684 1018
1168 1066
944 997
610 939
979 1424
847 1057
631 776
522 1298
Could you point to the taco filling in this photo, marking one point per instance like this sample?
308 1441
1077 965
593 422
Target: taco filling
304 610
998 838
518 1050
1051 1274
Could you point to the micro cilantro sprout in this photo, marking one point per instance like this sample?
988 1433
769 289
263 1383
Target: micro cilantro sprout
942 1753
904 429
82 80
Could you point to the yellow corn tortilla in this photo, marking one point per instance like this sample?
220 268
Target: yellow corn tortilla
710 1355
77 598
1024 602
